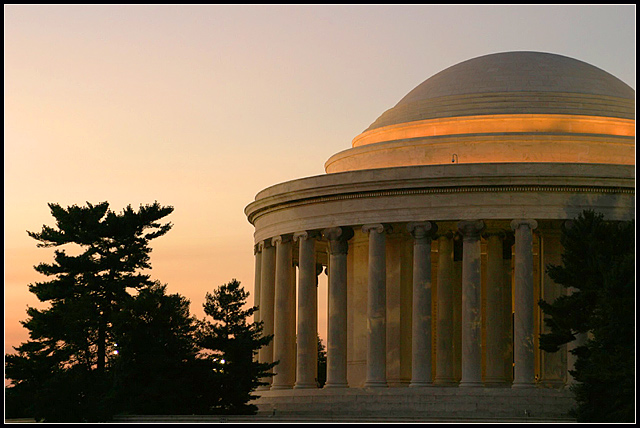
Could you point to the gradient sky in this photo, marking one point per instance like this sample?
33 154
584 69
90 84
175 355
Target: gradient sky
200 107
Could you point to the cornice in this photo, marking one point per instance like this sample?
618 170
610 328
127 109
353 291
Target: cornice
254 214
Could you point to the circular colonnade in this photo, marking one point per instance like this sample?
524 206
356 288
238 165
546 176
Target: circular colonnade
435 228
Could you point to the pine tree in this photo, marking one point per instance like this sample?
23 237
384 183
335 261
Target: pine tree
232 345
322 364
71 340
154 354
598 265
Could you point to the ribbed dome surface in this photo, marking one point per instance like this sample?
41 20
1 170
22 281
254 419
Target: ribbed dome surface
515 83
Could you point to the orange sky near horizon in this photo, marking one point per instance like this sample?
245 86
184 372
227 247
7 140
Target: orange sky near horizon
201 107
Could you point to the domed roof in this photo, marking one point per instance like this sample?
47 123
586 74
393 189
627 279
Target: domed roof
515 83
518 107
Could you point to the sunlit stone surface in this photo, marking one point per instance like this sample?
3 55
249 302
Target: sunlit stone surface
435 228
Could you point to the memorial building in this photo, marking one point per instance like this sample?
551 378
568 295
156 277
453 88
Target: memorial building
434 230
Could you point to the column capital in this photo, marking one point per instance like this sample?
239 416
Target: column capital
337 232
515 224
257 248
338 237
283 239
376 227
306 234
471 229
422 229
267 243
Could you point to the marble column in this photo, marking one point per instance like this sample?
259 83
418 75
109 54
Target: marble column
267 295
421 310
337 320
496 348
257 251
444 313
307 341
507 301
524 370
471 304
457 307
284 333
376 307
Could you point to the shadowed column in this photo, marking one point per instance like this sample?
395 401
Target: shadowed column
524 370
376 307
267 294
421 310
444 326
257 250
284 318
496 348
457 307
337 319
307 341
471 309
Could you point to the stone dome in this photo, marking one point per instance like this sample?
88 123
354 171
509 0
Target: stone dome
503 107
527 81
433 267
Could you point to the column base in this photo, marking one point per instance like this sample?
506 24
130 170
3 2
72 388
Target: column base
523 385
420 384
497 383
335 385
273 387
376 384
463 384
445 382
305 386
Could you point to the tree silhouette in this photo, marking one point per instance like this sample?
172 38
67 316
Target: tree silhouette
599 267
322 364
155 354
63 364
232 346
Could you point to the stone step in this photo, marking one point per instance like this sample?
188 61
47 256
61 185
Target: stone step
325 418
424 403
435 404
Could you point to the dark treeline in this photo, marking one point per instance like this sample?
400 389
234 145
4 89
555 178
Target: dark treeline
598 269
112 341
